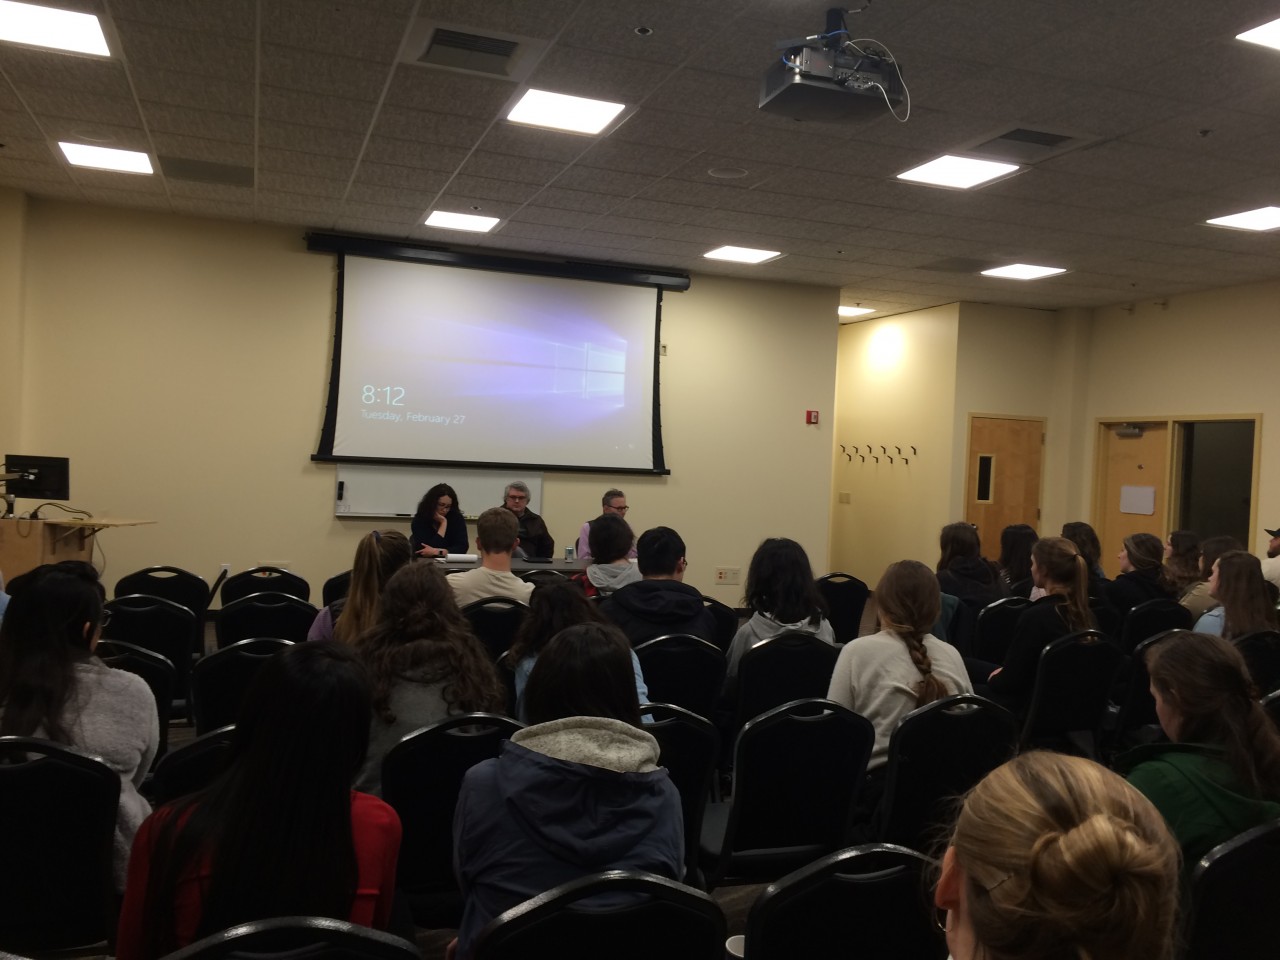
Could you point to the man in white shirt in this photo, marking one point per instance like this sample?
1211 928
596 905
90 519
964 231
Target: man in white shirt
496 538
614 502
1271 565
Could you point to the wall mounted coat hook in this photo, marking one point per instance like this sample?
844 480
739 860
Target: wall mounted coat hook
882 449
855 448
876 459
905 460
891 459
899 449
850 456
862 458
842 449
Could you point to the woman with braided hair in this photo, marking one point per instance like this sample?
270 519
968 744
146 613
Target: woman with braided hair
1057 858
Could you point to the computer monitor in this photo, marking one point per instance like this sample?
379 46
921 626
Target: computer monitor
42 478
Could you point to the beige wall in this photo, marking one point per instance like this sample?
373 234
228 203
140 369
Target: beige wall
182 365
13 208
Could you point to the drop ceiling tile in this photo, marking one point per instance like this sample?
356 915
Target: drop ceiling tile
401 123
578 200
522 170
322 73
391 196
443 91
186 51
404 178
409 153
219 209
298 201
581 72
310 164
667 129
518 140
390 213
306 139
192 190
678 28
202 93
211 151
88 108
611 182
317 187
365 31
29 69
232 18
327 111
540 20
278 213
14 171
491 189
204 124
548 215
702 93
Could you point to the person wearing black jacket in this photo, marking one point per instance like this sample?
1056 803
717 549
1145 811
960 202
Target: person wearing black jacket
661 603
1142 575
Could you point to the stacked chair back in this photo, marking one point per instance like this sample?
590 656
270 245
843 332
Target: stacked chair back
1136 720
1152 617
220 681
1233 893
846 597
495 620
869 901
994 631
936 753
792 666
169 583
335 588
690 750
156 670
421 778
264 580
1261 652
683 670
299 938
279 615
726 619
1073 685
635 916
191 767
57 820
161 626
796 774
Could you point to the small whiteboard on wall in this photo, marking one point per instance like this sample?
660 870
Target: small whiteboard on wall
383 490
1140 500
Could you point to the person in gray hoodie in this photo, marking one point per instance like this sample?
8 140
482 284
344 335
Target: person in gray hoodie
611 539
577 792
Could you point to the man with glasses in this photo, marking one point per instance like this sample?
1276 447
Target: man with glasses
535 540
614 501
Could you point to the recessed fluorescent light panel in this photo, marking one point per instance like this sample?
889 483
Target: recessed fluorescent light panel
854 311
106 158
1267 35
461 221
56 29
559 111
742 254
958 172
1264 218
1023 271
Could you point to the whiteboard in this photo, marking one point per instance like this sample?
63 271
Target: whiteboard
384 490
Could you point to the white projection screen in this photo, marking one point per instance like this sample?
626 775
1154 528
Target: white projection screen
437 363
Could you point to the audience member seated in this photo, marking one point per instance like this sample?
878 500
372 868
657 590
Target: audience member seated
438 526
379 554
1015 559
1271 565
610 570
1057 858
1063 574
280 833
661 603
577 792
1197 597
782 597
535 541
424 664
1086 541
613 502
1221 773
1182 560
552 608
962 570
496 539
54 688
1236 582
1142 575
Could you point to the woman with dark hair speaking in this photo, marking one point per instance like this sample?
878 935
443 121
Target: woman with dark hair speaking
576 792
280 833
438 526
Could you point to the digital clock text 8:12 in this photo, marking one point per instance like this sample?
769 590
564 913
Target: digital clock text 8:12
391 396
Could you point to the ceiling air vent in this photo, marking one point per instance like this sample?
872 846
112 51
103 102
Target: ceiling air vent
1024 145
204 171
454 47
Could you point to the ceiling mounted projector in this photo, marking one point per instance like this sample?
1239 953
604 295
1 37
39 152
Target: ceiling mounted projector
831 77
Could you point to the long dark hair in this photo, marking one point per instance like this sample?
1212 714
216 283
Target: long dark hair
1146 556
552 607
585 671
1086 541
1015 551
427 505
1212 548
421 633
958 541
1062 564
273 833
53 614
780 583
379 554
909 600
1242 591
1206 680
1183 564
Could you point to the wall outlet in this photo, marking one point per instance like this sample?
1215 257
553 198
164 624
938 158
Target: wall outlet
844 496
728 575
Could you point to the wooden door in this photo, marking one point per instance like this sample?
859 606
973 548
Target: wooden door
1005 461
1132 469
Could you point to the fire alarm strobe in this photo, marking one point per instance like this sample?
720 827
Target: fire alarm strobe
811 416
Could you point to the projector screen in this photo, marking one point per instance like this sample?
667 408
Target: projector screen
481 367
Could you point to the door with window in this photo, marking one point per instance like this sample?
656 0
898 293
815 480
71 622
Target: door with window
1006 459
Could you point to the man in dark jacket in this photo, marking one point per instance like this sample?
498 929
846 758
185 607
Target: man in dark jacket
661 603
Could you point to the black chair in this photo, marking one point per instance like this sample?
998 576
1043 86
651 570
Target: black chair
507 674
846 598
1261 652
299 938
690 748
796 774
684 670
161 626
1073 685
868 902
279 615
57 820
791 666
543 576
191 767
995 626
726 619
1152 617
495 621
647 917
335 588
936 753
1233 894
1271 704
1136 721
160 676
220 680
169 583
421 778
264 580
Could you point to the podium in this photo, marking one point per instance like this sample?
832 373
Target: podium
26 544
